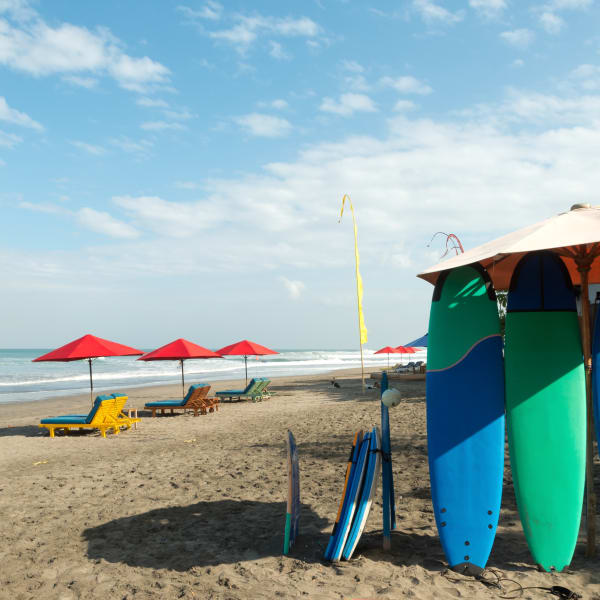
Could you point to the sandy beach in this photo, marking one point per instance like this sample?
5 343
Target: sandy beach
186 507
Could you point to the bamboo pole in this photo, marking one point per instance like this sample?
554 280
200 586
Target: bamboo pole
584 262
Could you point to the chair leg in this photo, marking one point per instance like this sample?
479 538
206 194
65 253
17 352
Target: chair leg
51 430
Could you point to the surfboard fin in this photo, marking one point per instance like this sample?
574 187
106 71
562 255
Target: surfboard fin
467 568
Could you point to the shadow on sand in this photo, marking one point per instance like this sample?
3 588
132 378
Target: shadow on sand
23 431
202 534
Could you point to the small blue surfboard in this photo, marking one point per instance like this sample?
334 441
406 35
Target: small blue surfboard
292 516
369 489
350 467
351 500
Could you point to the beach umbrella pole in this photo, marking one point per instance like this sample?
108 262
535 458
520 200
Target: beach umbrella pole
246 367
91 382
182 381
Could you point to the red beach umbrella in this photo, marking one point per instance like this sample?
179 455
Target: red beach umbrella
180 350
87 348
387 350
245 349
406 349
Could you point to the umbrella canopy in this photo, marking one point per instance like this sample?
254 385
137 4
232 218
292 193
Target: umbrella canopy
87 348
419 342
405 350
575 236
245 348
387 350
180 350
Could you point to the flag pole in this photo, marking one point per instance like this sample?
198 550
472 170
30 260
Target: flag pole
362 330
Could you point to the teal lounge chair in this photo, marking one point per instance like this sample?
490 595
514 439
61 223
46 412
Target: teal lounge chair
196 399
253 391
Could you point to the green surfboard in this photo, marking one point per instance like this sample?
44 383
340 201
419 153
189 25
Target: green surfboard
545 407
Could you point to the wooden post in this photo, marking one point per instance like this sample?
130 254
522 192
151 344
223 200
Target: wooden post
583 266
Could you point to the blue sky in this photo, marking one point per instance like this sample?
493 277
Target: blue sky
177 169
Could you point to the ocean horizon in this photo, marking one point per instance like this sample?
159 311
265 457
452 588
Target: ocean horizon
22 380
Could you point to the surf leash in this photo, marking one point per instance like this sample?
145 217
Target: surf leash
492 578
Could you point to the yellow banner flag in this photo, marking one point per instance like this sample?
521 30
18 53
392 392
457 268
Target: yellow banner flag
359 284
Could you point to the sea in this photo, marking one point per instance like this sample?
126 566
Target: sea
22 380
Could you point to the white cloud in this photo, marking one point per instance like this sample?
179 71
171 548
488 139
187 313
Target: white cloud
247 29
160 126
520 38
264 125
34 47
173 219
279 104
103 222
551 22
569 4
404 106
294 288
186 185
11 115
141 148
434 13
211 11
587 77
348 104
352 66
84 82
89 148
488 8
152 102
518 62
277 51
44 208
406 85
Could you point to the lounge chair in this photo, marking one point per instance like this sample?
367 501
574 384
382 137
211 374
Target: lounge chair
254 390
196 399
264 392
103 416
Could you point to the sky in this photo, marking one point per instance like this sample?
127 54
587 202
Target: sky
176 168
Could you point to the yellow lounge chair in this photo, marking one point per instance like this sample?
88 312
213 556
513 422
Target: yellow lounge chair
103 416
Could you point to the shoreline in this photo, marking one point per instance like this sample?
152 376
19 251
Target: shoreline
79 401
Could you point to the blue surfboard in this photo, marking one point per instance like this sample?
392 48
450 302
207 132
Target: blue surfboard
367 494
465 415
351 500
351 466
